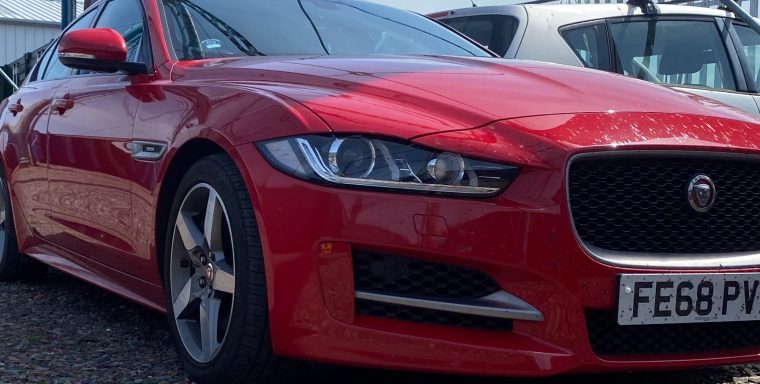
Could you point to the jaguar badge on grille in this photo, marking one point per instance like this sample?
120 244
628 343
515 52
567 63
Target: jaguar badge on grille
701 193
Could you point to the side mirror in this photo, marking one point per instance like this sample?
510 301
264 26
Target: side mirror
98 50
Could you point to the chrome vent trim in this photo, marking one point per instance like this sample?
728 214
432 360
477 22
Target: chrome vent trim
501 305
147 150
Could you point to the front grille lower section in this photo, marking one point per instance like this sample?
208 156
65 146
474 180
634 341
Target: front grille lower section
610 339
400 276
639 203
406 276
429 316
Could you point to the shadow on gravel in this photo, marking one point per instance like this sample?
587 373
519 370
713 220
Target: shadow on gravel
708 376
62 330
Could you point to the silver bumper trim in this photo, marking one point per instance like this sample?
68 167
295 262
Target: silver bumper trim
500 305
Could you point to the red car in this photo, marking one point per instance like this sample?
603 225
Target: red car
337 181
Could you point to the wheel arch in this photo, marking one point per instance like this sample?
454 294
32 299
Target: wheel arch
178 165
230 129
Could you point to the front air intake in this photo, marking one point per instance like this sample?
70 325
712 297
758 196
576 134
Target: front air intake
406 276
410 289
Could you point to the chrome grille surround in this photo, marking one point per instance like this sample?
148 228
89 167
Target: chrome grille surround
669 260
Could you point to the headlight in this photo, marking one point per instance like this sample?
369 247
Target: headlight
367 162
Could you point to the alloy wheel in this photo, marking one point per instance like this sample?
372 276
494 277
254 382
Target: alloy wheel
3 221
202 273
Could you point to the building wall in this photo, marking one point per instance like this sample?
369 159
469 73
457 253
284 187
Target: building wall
18 38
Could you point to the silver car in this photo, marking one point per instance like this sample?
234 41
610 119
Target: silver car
704 51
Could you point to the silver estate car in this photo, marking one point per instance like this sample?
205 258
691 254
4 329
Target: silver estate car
704 51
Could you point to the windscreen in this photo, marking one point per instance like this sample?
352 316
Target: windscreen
201 29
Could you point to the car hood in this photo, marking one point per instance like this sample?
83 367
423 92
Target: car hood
408 97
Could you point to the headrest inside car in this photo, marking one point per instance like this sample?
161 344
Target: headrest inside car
684 57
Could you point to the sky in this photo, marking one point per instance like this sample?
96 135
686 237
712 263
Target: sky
427 6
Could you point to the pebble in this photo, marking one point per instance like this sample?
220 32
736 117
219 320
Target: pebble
63 331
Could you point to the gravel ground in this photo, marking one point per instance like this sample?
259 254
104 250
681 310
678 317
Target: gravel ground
61 330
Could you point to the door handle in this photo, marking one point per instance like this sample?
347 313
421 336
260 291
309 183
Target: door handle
17 108
63 105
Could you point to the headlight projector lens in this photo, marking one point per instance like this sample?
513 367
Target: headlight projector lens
352 157
385 164
447 168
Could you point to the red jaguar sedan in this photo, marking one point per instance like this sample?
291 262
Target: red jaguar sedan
338 181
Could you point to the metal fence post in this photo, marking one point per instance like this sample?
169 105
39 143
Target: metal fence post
68 12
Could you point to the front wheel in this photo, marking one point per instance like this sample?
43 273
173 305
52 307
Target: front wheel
214 279
14 265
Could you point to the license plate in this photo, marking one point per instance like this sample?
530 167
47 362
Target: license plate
681 298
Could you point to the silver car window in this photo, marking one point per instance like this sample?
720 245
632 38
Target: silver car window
751 44
495 32
590 44
677 52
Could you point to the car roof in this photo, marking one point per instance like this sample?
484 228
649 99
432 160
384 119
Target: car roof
573 13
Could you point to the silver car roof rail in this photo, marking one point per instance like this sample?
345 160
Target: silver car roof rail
740 13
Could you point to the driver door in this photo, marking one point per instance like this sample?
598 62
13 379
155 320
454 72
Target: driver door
90 163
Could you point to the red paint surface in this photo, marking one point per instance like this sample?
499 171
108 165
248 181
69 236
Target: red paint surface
102 43
85 206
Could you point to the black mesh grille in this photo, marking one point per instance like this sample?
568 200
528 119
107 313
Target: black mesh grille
404 276
610 339
372 308
639 204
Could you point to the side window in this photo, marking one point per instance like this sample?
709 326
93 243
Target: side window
50 67
495 32
126 17
39 73
751 44
590 44
677 52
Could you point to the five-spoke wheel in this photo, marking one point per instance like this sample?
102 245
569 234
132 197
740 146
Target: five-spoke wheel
202 272
215 283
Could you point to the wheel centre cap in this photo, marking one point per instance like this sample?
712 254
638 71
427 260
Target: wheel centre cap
210 273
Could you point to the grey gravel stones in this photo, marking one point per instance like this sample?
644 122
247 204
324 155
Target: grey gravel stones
61 330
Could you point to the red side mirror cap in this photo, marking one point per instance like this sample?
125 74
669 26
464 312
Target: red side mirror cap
96 49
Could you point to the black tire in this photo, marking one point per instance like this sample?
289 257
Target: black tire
246 355
15 266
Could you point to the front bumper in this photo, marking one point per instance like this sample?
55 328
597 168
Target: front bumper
522 238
